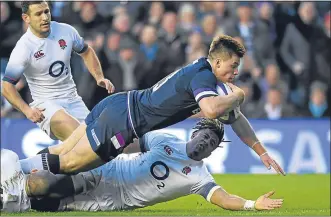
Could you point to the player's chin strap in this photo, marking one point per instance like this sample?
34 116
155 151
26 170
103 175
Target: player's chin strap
220 146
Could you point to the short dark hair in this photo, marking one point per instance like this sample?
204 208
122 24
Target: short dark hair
212 124
225 46
26 4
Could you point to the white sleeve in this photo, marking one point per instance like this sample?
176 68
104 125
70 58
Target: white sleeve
78 45
206 186
150 140
18 61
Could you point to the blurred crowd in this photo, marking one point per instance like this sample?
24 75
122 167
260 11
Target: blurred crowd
285 73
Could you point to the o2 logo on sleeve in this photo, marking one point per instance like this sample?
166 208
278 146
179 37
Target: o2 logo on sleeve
56 69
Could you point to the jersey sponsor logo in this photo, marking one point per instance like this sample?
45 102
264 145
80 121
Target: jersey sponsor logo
39 54
63 44
168 150
186 170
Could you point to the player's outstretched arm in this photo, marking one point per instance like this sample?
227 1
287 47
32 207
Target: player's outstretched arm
216 106
10 92
93 65
245 132
233 202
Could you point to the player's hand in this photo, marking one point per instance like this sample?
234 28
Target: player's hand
35 115
264 202
105 83
238 92
269 162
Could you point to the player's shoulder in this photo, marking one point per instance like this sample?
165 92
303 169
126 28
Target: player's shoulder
25 44
201 65
60 27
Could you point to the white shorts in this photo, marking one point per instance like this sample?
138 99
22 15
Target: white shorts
73 106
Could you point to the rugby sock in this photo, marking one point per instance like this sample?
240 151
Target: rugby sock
31 163
45 150
51 162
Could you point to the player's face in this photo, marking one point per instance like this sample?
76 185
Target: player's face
226 70
202 145
39 19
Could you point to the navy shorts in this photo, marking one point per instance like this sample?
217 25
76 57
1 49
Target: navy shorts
108 127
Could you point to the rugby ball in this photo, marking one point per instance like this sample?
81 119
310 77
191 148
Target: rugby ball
229 118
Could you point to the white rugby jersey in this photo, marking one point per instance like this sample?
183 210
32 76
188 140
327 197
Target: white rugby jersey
162 173
45 62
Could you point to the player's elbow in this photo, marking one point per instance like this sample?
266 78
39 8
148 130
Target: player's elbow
210 113
5 88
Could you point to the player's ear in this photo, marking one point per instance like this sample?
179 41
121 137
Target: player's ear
26 18
219 63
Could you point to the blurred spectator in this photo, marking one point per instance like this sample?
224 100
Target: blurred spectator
272 79
111 47
195 47
71 13
248 107
322 52
170 36
254 34
128 72
297 51
121 24
91 22
205 7
9 31
187 21
155 54
318 106
209 27
221 13
274 108
155 13
265 10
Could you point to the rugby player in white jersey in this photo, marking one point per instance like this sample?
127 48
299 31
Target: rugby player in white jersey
167 168
43 55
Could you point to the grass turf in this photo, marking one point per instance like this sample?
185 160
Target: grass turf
302 194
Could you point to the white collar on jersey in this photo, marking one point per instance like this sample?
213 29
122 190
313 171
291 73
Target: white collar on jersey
210 64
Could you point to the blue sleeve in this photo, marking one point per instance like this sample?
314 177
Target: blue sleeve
150 140
203 85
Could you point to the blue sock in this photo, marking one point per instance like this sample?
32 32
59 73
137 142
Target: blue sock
31 163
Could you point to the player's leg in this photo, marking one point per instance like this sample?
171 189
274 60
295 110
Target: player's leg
69 143
64 122
106 135
81 158
63 125
13 194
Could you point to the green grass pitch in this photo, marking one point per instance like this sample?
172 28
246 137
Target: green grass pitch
302 194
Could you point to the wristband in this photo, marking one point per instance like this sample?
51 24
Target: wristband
264 154
249 205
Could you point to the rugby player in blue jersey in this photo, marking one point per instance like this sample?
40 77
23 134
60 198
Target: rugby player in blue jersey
118 119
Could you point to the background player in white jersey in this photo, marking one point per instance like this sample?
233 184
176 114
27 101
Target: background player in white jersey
43 55
166 169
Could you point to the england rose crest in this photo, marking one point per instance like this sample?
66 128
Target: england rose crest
63 44
186 170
